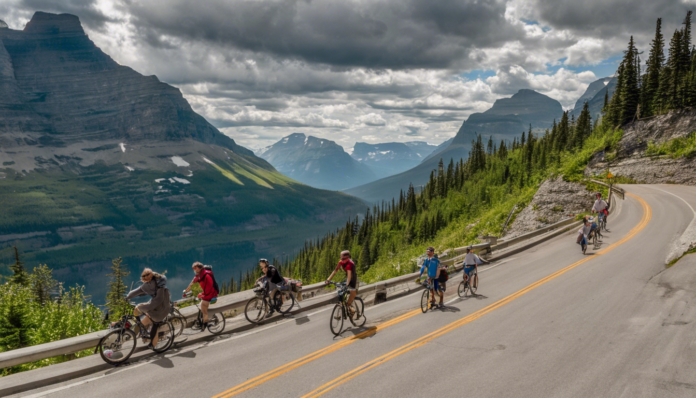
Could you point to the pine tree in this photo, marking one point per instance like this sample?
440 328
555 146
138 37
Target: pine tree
674 66
117 288
42 283
20 275
630 94
655 63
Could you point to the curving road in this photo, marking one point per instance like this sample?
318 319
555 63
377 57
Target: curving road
548 322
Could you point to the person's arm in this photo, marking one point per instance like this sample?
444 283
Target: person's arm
332 274
135 293
190 284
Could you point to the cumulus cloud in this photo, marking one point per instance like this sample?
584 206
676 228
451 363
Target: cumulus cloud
390 70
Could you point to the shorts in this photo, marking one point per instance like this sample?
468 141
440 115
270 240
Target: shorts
436 285
353 285
468 269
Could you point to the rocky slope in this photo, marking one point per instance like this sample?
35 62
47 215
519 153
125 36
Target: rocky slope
391 157
317 162
507 119
554 201
632 160
98 161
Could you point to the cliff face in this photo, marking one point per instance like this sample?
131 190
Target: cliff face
60 84
632 159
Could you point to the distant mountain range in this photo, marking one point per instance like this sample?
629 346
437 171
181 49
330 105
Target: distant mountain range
98 162
317 162
507 119
594 96
391 158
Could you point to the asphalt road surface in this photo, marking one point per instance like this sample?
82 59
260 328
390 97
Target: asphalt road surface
549 322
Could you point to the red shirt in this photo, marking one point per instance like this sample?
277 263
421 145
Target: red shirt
206 281
347 265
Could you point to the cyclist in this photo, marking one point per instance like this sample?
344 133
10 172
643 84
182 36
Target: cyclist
155 310
600 206
204 278
583 234
347 265
273 280
432 264
471 262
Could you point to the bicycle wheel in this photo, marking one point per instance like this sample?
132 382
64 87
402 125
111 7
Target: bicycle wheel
336 320
284 302
165 337
216 324
255 310
461 290
425 301
473 285
358 307
178 323
117 346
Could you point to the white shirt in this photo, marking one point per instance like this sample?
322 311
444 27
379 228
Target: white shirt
471 259
599 205
584 230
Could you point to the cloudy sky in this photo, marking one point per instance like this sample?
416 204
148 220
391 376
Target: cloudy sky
356 70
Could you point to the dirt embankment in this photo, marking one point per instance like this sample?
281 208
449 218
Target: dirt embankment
555 200
631 160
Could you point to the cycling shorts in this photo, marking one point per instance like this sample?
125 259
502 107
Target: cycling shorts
353 282
468 269
436 285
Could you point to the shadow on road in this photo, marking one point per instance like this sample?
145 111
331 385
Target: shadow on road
302 321
446 308
164 363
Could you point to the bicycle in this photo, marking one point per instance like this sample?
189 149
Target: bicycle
603 222
340 311
596 237
425 298
466 284
216 321
257 308
119 344
178 321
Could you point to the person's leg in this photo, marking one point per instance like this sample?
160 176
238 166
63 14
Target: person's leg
204 310
153 334
441 292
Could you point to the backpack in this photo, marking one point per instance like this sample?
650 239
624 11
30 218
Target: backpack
210 271
444 276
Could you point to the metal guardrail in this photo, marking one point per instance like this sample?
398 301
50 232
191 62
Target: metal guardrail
237 301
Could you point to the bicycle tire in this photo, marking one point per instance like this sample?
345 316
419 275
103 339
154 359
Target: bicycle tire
425 300
118 336
359 308
283 307
337 316
178 322
473 285
165 333
255 310
461 289
217 325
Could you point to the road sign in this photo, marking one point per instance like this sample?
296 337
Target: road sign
609 175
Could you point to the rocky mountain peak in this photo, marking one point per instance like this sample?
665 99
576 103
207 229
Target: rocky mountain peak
43 23
3 25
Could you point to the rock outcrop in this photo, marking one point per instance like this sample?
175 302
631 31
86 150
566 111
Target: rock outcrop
630 159
554 201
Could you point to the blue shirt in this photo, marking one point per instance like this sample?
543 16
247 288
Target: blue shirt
431 264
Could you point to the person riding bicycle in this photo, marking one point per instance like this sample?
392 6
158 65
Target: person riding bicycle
155 310
204 278
347 265
583 233
471 262
600 206
432 264
273 280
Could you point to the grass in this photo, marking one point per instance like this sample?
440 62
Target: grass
681 147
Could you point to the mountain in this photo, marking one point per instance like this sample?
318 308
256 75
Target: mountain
592 90
392 157
98 162
597 102
438 150
505 120
317 162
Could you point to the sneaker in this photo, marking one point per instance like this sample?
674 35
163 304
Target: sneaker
270 313
150 346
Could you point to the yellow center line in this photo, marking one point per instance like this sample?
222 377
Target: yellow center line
249 384
647 215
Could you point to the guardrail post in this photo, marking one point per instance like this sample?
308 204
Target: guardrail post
380 295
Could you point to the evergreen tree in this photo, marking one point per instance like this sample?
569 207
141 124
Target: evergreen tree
674 67
630 94
655 63
42 283
20 275
115 302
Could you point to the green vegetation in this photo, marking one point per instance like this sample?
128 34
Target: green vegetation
36 309
675 148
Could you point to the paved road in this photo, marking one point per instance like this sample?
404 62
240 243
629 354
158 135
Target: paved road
549 322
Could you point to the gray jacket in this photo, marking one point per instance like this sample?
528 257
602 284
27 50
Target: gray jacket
160 304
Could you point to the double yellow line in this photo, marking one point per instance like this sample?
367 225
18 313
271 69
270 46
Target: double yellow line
313 356
647 215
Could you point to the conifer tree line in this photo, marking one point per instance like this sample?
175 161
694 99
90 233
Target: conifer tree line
667 84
